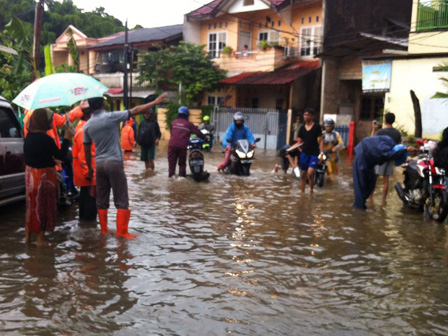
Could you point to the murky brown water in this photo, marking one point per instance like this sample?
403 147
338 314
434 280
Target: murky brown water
242 256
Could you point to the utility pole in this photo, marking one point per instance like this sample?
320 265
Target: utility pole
37 35
126 63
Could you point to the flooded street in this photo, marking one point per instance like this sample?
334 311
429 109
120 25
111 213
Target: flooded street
241 256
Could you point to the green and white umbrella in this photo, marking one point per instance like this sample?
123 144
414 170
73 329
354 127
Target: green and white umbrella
61 89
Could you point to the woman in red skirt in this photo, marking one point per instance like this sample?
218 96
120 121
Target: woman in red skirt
40 153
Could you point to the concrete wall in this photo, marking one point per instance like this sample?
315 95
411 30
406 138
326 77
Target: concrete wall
426 42
418 75
195 118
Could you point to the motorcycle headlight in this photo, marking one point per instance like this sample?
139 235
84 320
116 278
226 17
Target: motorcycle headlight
250 154
240 154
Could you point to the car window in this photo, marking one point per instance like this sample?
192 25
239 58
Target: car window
8 125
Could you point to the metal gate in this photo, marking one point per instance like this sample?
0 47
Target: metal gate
267 124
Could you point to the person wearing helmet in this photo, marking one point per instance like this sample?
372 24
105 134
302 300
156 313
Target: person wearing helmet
181 129
236 131
332 145
209 127
373 151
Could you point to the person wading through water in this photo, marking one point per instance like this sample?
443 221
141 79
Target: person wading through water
102 130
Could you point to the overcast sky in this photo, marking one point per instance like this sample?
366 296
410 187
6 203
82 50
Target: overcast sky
148 13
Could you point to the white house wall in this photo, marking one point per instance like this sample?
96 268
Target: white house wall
418 75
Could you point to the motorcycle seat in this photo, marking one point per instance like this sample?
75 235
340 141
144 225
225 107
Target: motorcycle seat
412 165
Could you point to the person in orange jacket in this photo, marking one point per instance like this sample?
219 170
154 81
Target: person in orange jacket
58 120
127 136
87 198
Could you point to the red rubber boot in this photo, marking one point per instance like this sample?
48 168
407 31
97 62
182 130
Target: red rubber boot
123 216
102 215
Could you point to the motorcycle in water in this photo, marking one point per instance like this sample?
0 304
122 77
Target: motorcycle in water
424 186
196 160
207 146
241 157
319 172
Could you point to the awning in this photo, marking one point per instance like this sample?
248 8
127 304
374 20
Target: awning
136 93
282 76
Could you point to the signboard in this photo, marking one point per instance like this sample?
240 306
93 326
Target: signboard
376 75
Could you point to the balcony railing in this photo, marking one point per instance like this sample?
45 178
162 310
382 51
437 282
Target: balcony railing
432 15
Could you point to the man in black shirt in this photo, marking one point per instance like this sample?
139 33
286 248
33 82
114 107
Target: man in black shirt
387 168
310 134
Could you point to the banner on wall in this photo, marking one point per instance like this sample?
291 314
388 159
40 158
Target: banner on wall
376 75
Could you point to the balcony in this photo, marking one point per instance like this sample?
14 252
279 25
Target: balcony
432 15
115 80
250 61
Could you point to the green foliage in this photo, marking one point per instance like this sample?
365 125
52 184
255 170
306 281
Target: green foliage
18 35
188 64
443 95
73 49
11 83
264 45
56 18
227 50
171 113
48 62
206 111
64 67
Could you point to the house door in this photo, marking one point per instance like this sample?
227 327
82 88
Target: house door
244 38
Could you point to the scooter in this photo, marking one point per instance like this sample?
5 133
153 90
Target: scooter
319 172
242 157
196 160
424 186
207 146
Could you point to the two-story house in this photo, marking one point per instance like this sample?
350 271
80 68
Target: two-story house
420 70
267 47
104 58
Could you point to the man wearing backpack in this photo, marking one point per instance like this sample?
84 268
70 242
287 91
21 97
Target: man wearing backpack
148 137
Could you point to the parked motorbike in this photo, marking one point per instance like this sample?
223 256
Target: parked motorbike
319 172
424 186
196 160
207 146
242 157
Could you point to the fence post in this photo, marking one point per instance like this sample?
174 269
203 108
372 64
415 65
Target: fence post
351 137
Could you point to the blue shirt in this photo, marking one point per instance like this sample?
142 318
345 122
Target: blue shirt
103 129
236 134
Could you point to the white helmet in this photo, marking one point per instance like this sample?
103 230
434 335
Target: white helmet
238 116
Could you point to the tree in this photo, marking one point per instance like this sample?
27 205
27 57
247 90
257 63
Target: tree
11 82
186 64
442 67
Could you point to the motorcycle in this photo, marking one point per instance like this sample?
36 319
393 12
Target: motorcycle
424 186
207 146
241 157
319 172
196 160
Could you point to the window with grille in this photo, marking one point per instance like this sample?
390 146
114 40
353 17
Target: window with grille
216 43
310 40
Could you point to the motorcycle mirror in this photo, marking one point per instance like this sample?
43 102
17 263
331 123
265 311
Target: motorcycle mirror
257 139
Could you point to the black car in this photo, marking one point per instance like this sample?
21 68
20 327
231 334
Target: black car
12 162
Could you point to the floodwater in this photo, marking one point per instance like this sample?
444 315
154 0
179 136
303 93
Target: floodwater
238 256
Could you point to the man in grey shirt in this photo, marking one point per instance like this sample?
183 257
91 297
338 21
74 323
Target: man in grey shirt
387 168
103 130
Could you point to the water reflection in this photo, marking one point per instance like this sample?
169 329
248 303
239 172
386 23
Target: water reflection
246 256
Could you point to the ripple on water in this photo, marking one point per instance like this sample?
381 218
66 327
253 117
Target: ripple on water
249 256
